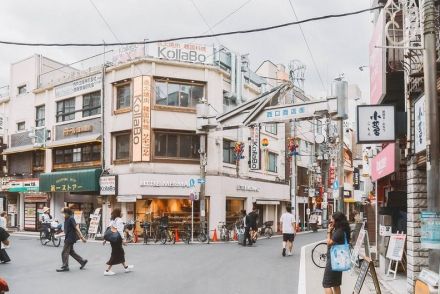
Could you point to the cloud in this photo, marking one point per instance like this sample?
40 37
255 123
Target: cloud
338 45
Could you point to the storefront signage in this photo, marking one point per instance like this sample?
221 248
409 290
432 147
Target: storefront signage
108 185
255 148
430 236
20 186
377 62
356 179
347 194
332 175
247 188
35 197
384 231
420 125
183 52
77 130
170 184
384 163
95 218
376 124
85 180
130 199
87 84
127 53
396 246
141 119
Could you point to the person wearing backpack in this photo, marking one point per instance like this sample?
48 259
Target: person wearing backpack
338 233
115 235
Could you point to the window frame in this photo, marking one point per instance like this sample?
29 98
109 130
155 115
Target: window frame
71 152
271 128
21 123
230 151
65 116
116 99
195 143
91 110
268 168
20 88
115 146
40 122
191 103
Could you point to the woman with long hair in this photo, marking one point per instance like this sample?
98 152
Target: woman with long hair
338 230
118 255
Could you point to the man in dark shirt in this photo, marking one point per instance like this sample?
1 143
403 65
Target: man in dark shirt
73 233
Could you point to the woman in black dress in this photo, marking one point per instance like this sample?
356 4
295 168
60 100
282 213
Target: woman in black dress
335 235
118 254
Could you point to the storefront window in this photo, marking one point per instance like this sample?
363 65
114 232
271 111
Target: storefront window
233 211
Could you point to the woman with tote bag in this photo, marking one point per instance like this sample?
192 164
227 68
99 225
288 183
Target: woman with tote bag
115 235
338 233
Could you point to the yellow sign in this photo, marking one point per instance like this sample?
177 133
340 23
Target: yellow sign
76 130
141 118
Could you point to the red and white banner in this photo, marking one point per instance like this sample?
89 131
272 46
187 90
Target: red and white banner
384 163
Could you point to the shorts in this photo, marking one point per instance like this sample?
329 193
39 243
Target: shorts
288 237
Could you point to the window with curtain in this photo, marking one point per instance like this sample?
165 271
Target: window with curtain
66 110
176 145
178 94
92 104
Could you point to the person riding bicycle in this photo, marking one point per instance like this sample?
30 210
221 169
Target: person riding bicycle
46 219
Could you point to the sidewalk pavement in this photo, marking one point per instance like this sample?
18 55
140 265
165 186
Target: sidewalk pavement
310 278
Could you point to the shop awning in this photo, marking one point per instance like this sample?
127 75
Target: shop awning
268 202
76 141
84 180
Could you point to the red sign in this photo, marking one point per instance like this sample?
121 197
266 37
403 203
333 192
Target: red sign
331 172
377 62
384 163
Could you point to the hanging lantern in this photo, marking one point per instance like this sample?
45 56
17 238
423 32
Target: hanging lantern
265 142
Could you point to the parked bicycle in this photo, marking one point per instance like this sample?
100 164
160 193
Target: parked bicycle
223 231
51 234
266 230
149 231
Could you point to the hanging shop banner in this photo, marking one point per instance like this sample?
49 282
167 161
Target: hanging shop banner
255 148
420 125
183 52
384 163
430 237
83 85
396 246
356 178
141 115
108 185
377 62
376 124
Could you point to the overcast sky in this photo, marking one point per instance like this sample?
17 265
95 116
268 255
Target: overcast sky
338 45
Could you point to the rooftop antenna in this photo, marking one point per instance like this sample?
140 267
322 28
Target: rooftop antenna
297 71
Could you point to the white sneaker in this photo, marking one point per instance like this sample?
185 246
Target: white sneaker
290 253
109 273
129 268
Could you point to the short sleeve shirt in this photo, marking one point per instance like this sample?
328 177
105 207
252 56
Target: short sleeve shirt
287 219
70 230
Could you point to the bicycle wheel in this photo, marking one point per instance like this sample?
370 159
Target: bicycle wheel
56 241
202 237
227 235
163 237
268 233
42 238
319 255
145 237
171 237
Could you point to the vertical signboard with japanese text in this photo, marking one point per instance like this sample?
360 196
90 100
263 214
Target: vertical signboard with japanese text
141 118
420 125
377 61
255 148
376 124
356 179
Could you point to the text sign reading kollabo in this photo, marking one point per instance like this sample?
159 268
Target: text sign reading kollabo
184 52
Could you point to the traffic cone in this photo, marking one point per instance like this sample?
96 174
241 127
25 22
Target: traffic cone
176 234
214 236
235 237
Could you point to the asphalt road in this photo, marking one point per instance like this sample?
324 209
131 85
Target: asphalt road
196 268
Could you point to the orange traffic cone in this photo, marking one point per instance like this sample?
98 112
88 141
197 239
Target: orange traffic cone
235 237
214 236
176 235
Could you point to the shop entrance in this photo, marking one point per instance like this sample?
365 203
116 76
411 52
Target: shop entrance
234 206
32 214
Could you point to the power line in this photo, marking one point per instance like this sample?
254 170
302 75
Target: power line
308 47
105 21
204 20
192 37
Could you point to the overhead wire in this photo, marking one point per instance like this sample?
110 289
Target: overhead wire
245 31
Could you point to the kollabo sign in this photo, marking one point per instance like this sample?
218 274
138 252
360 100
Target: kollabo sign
108 185
184 52
376 124
255 148
141 116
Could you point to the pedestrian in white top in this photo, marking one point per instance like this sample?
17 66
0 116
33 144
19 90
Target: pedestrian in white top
287 221
118 255
3 220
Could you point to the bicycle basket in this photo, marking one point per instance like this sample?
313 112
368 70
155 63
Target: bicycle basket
268 223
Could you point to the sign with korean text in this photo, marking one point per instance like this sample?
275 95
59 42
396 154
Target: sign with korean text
183 52
384 163
430 236
255 148
141 114
83 85
377 62
108 185
396 246
376 124
70 131
356 179
127 53
419 125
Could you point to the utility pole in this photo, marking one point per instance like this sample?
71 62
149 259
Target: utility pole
203 181
432 124
293 184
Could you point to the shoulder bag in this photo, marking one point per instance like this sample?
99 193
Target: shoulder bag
340 256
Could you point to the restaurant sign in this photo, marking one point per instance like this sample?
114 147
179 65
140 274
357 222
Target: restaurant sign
108 185
375 124
141 115
247 188
70 131
255 148
183 52
171 184
87 84
420 125
356 179
384 163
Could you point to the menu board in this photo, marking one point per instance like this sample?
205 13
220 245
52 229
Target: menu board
396 246
366 266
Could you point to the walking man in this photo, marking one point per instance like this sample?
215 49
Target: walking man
287 221
73 233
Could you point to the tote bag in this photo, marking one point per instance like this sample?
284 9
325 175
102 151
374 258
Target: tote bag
111 235
340 256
